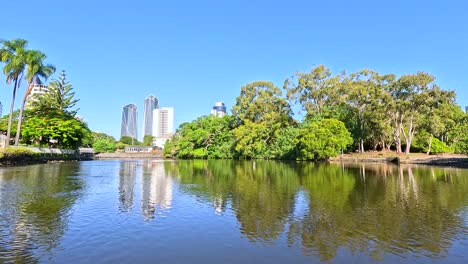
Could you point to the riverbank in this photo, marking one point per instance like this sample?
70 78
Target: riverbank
128 155
24 156
445 160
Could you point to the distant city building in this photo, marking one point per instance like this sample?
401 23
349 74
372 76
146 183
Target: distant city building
129 121
1 109
163 125
466 109
219 109
151 103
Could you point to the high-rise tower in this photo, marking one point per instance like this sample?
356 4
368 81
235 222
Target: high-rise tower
163 125
151 103
129 121
219 109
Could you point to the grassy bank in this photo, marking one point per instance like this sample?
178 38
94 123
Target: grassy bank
24 156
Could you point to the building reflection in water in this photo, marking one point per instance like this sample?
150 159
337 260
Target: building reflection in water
127 174
156 189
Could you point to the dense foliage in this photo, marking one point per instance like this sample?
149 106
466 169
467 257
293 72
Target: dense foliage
54 129
323 139
102 142
51 121
206 137
346 112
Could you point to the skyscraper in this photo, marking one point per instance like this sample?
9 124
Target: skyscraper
163 125
151 103
219 109
1 109
129 121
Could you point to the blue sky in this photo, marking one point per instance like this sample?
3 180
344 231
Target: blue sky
190 54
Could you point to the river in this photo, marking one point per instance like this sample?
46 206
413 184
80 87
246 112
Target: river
137 211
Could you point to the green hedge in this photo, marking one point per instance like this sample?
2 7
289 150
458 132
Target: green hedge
24 156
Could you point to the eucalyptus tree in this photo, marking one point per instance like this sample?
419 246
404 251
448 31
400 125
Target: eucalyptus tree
315 91
258 101
260 111
35 70
365 95
361 88
412 97
13 55
439 114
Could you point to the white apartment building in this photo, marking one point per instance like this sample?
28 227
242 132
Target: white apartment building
163 125
38 89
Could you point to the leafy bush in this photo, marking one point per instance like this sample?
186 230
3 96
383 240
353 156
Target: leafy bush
323 139
104 145
421 144
459 136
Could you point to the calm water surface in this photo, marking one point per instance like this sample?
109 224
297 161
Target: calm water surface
231 212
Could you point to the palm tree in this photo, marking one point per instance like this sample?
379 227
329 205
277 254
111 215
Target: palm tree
13 54
35 70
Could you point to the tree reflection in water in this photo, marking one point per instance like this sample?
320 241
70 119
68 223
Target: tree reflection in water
370 209
35 202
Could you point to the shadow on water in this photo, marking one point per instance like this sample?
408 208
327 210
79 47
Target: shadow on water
35 202
366 209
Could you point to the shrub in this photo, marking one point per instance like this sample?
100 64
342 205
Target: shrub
323 139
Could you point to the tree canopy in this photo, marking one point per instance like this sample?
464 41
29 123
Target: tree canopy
359 111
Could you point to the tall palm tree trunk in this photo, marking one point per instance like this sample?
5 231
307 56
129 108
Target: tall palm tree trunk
10 118
20 116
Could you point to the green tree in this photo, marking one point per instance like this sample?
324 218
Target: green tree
259 101
104 145
323 139
459 136
129 141
59 96
148 140
13 54
411 94
440 114
206 137
4 122
365 96
54 129
260 111
35 70
317 91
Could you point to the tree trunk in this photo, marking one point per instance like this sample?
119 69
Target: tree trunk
20 116
10 118
430 145
409 138
398 131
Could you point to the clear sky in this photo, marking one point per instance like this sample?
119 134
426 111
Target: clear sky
190 54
